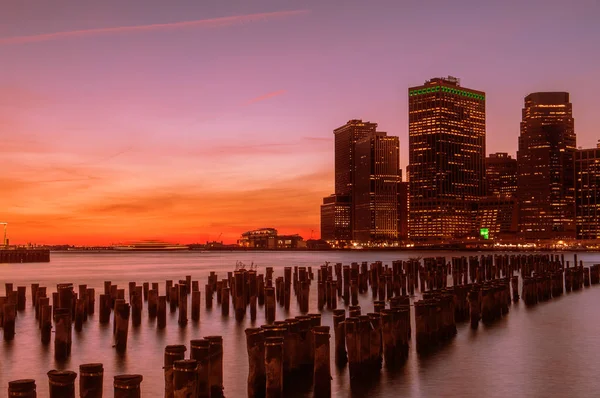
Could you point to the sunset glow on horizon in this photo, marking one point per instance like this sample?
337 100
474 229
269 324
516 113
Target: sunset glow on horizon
191 121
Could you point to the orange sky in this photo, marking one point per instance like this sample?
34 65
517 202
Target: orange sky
129 120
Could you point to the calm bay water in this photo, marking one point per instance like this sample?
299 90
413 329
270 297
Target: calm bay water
549 350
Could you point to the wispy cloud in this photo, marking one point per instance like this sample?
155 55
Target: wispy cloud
265 97
200 23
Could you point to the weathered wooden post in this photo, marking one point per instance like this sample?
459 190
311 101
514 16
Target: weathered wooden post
255 343
322 370
91 377
62 383
375 343
34 288
216 366
183 319
515 287
55 302
172 353
83 296
208 296
353 346
146 286
137 304
196 305
152 303
46 323
122 311
79 309
24 388
274 367
154 286
174 298
10 313
127 386
8 288
105 307
21 298
225 301
340 336
62 334
475 308
185 377
388 337
200 351
161 320
270 304
91 300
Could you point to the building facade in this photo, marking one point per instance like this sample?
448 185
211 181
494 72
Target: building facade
375 193
497 217
446 158
501 175
587 193
268 238
546 162
336 212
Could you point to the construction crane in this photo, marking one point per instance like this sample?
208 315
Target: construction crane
4 241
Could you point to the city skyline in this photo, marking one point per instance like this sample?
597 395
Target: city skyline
112 131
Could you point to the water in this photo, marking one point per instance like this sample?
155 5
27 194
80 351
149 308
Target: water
549 350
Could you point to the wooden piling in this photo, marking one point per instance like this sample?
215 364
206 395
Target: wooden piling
172 353
168 286
182 299
137 306
62 333
269 304
46 323
255 343
200 351
174 298
127 386
91 377
196 305
146 287
91 300
8 326
340 336
105 307
225 301
79 309
161 319
21 298
322 370
62 383
185 377
353 346
24 388
122 311
208 296
216 366
34 288
274 367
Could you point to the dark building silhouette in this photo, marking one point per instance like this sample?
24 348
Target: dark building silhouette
501 175
346 138
546 175
336 212
587 193
446 158
268 238
375 190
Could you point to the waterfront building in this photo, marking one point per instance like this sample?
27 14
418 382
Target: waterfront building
268 238
501 175
587 193
546 162
446 158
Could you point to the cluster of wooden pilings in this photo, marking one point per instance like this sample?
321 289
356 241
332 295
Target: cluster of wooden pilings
283 353
61 384
199 376
474 288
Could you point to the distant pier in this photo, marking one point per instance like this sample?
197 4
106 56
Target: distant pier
24 255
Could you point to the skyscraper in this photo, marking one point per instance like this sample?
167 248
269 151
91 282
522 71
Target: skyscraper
346 137
546 175
375 190
587 193
337 210
446 158
501 175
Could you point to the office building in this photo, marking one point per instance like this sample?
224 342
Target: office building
375 190
587 193
501 175
335 219
546 162
446 158
496 217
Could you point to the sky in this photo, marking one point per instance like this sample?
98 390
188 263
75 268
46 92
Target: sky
189 121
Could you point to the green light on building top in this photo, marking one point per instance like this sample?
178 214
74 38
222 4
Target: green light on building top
444 89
